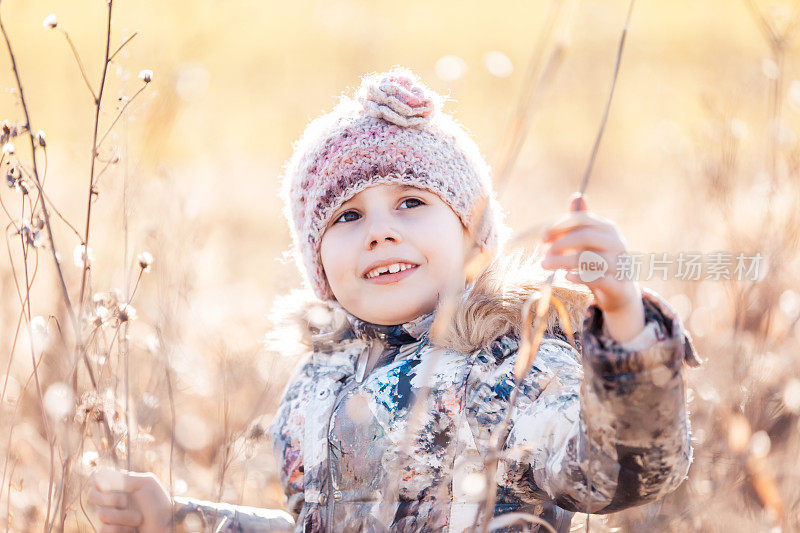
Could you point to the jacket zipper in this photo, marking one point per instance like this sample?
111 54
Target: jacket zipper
329 504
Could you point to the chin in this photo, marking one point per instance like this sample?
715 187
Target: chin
402 309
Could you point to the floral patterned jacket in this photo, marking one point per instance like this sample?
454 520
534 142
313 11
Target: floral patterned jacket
592 431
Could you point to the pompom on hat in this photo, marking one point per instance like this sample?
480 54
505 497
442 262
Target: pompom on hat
392 132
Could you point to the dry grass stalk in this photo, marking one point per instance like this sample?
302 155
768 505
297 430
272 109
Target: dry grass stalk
34 215
534 325
537 79
604 120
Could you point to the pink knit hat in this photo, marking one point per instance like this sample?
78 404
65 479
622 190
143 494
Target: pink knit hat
393 132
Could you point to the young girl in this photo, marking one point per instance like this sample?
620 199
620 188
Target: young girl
386 424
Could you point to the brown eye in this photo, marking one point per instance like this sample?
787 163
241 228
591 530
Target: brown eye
412 202
347 216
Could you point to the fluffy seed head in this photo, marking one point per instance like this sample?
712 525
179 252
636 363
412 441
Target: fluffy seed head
145 261
50 21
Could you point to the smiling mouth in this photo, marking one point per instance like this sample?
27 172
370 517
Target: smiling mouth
389 270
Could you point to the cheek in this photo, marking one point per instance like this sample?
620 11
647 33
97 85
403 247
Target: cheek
445 246
328 259
334 254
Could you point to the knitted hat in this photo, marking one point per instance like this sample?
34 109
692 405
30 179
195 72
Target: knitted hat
393 132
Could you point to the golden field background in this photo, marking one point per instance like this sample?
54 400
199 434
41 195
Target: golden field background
685 165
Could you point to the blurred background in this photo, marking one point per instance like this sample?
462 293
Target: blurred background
700 154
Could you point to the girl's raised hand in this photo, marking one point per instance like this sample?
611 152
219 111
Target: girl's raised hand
129 501
588 246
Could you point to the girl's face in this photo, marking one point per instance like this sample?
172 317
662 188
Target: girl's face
392 251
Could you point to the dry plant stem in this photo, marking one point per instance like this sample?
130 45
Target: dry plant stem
44 178
8 496
10 218
64 220
171 433
14 419
11 357
63 286
124 353
61 490
46 198
226 454
590 164
120 47
80 64
23 308
97 106
778 41
102 171
520 124
119 115
35 367
536 79
22 298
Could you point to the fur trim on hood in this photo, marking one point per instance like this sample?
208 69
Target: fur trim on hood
490 308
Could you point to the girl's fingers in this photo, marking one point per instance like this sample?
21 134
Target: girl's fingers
571 261
591 276
587 238
107 499
578 202
574 221
107 479
119 517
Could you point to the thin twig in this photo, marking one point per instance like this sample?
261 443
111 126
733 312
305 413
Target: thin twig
45 424
121 111
171 432
80 64
90 200
102 171
536 80
57 212
590 164
55 255
120 47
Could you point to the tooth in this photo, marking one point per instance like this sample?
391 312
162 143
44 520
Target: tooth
394 269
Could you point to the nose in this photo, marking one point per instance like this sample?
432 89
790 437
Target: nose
381 231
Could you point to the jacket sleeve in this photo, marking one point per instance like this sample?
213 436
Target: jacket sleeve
286 434
193 515
593 432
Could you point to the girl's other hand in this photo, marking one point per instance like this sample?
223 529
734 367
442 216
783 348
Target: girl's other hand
582 231
129 501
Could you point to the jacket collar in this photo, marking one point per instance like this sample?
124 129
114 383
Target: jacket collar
396 335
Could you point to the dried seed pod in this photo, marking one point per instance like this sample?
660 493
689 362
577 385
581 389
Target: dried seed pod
145 261
50 21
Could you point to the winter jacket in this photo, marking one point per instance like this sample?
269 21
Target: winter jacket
595 430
